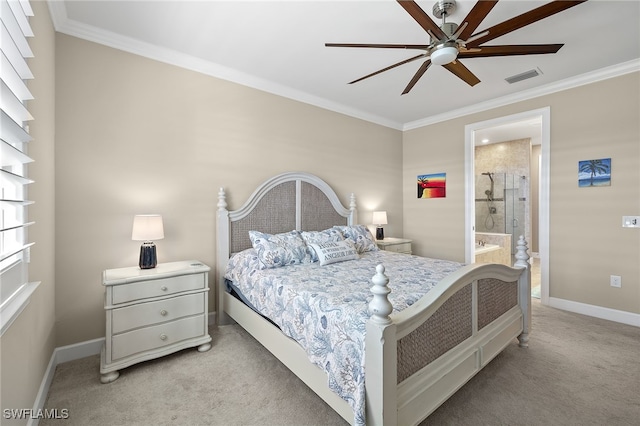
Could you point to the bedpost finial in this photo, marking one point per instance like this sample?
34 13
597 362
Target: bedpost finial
222 202
380 307
352 201
522 257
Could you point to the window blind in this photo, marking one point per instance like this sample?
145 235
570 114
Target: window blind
15 288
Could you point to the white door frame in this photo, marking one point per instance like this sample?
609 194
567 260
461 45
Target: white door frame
543 237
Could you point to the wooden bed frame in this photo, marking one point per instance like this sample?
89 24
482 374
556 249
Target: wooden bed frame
466 319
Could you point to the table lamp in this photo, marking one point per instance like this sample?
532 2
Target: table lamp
147 227
379 219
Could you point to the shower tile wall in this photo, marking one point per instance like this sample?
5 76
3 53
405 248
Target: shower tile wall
512 157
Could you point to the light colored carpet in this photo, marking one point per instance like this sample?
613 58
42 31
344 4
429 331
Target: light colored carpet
577 371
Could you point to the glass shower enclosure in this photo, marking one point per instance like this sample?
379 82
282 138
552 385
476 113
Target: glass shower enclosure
501 204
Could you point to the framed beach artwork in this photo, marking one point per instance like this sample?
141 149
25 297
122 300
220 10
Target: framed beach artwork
432 186
594 173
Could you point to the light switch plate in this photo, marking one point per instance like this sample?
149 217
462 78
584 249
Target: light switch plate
631 221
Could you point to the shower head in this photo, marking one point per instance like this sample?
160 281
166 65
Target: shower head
488 174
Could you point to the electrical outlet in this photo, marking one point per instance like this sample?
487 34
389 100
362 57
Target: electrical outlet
631 221
616 281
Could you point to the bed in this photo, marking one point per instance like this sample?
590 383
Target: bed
416 353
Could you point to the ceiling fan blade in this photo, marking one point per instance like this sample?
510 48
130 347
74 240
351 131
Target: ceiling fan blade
406 61
423 68
524 20
422 18
380 46
462 72
510 50
475 17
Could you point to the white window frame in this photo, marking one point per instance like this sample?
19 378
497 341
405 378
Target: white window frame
15 288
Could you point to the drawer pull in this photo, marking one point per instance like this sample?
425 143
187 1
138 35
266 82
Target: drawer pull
164 288
163 336
163 313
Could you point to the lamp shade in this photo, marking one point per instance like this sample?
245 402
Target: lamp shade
379 218
147 227
444 55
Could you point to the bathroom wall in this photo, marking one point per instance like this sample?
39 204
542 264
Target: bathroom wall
511 157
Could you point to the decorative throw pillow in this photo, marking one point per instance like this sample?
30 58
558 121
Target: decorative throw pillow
333 252
275 250
320 237
361 237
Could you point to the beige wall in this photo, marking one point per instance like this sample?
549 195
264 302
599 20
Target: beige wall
26 347
139 136
436 225
587 242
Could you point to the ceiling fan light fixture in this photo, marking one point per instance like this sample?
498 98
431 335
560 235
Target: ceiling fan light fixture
444 55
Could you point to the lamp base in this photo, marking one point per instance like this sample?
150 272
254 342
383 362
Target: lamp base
148 258
379 233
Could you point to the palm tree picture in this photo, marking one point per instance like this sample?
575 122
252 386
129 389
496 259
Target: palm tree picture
594 172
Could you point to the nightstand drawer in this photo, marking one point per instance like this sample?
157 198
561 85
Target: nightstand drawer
144 314
160 287
157 336
399 248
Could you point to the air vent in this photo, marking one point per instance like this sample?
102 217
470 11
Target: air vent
525 75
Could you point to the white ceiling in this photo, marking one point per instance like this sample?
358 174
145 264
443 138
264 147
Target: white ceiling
278 47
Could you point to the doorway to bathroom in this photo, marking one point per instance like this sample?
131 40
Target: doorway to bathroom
507 191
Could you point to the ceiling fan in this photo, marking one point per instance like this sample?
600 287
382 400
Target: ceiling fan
450 42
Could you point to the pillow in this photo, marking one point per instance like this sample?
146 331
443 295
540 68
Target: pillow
333 252
275 250
360 236
319 237
242 263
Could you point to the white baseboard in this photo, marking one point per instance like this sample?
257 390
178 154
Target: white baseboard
41 397
78 350
60 355
596 311
71 353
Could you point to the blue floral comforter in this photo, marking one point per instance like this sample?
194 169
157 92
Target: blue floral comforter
325 308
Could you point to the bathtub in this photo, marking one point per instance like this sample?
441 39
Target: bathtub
480 249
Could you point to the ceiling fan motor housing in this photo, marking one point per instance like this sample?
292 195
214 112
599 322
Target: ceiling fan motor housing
444 8
449 28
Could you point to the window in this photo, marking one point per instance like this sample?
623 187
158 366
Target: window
15 288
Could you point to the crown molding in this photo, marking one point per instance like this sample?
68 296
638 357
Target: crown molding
70 27
74 28
569 83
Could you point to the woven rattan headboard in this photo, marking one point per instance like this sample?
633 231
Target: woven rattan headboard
289 205
285 202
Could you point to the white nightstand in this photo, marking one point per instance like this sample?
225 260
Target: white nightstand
153 312
399 245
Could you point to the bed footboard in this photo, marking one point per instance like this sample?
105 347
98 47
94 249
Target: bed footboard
418 358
